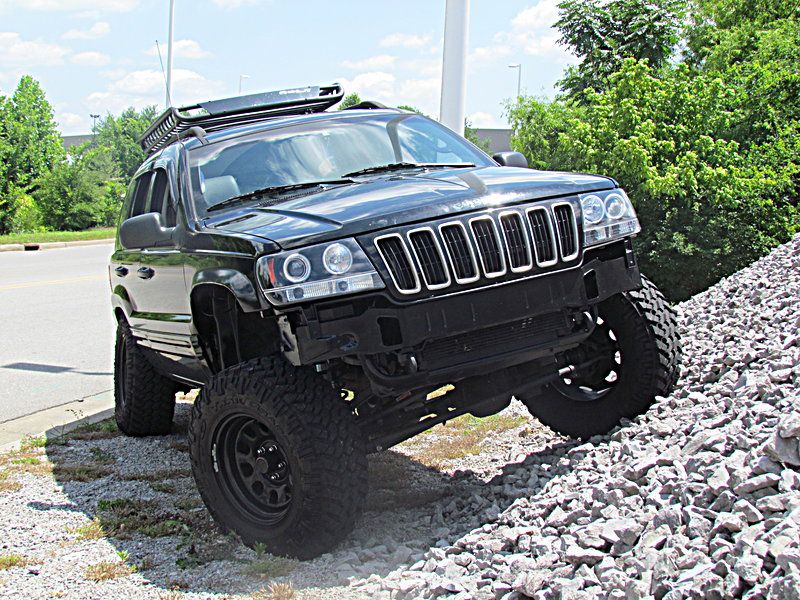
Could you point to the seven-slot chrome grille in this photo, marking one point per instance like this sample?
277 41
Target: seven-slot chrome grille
487 246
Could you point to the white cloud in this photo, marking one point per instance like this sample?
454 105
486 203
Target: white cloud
490 53
90 59
141 88
68 121
422 94
181 49
16 52
374 85
542 15
484 120
93 6
405 40
97 30
381 61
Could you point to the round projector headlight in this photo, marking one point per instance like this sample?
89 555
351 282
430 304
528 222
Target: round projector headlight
615 206
593 210
296 268
337 259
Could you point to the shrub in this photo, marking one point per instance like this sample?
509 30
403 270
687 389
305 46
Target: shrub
709 203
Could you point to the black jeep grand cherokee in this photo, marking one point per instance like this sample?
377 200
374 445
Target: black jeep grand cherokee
319 274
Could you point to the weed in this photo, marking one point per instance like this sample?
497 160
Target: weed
158 475
96 431
179 445
106 570
80 472
463 437
275 591
8 561
30 443
163 486
271 566
187 504
102 457
8 485
91 531
121 517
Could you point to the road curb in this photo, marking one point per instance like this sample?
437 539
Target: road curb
56 421
50 245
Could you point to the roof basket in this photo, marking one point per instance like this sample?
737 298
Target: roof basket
215 115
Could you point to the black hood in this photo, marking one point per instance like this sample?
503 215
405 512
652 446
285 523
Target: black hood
398 199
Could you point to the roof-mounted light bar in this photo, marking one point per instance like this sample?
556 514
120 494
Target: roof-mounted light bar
219 114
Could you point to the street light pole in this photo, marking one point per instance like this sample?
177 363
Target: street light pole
454 63
241 77
169 51
518 67
94 127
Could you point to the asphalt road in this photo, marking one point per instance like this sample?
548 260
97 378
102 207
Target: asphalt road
56 328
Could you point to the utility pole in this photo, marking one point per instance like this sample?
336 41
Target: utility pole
241 78
169 51
518 66
454 63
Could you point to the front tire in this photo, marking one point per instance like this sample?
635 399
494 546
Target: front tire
144 400
277 457
637 352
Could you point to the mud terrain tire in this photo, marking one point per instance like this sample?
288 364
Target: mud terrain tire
277 457
645 330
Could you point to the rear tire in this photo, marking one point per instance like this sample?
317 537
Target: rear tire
278 458
639 335
144 400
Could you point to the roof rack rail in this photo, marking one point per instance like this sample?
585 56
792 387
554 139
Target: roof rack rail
215 115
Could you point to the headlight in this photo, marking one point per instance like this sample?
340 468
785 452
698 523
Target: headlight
319 271
607 216
337 259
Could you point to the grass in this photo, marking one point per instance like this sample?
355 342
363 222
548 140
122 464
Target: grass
96 431
102 457
101 233
8 561
462 437
275 591
270 566
158 475
91 531
122 517
105 570
81 473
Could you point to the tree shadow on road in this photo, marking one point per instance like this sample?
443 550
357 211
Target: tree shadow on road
139 495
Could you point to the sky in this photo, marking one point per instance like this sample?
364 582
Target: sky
100 56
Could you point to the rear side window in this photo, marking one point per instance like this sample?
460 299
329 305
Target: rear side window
151 194
139 204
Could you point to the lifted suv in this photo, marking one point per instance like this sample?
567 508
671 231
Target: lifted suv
318 274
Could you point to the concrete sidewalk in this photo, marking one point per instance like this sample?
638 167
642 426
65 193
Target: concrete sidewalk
57 420
50 245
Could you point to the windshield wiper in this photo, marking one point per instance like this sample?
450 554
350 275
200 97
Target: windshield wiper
406 165
275 189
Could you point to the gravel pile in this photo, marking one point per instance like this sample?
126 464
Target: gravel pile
698 498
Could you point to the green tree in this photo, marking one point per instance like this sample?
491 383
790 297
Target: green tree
349 100
120 134
81 192
602 33
709 204
30 144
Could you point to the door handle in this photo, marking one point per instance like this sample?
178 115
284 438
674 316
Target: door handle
145 272
121 271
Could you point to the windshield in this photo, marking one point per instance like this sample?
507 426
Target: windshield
321 151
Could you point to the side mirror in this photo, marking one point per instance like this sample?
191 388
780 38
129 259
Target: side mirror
511 159
144 231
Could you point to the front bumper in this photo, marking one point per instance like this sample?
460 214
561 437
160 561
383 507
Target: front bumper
448 336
